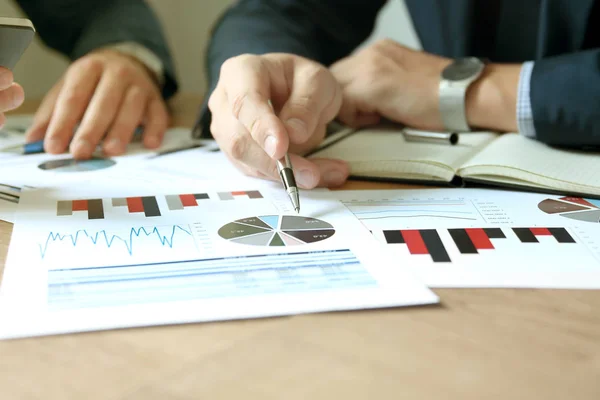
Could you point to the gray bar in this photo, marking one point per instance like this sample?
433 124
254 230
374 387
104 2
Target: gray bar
174 202
122 202
95 209
255 194
225 196
64 207
150 206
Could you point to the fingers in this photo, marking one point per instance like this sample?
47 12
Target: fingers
100 113
41 120
71 103
157 123
128 117
247 85
6 78
315 99
11 97
250 158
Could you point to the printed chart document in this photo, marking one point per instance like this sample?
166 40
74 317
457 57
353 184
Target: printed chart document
486 238
84 259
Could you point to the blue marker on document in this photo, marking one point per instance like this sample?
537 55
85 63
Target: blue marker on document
37 147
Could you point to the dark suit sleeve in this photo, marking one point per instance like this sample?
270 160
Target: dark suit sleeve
76 27
322 30
565 99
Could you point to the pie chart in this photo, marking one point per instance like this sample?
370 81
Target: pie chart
72 165
577 208
276 230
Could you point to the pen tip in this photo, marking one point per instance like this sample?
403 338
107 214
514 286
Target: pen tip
297 210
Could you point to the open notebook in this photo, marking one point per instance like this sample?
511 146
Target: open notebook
484 157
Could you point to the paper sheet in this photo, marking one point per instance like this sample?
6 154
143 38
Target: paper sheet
46 170
112 256
486 238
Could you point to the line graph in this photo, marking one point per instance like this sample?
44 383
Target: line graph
413 209
84 237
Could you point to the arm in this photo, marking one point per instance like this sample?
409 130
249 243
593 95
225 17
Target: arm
75 28
316 29
564 98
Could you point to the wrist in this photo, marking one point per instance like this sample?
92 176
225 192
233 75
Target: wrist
491 101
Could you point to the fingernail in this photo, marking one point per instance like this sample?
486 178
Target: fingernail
113 145
270 146
18 98
334 178
82 147
152 142
305 178
298 127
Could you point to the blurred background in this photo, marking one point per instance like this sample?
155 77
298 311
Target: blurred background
187 24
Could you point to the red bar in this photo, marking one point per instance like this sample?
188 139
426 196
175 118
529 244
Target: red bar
540 231
415 242
134 204
479 238
79 205
188 200
238 193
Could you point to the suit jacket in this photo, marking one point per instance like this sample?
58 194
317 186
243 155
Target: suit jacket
561 36
76 27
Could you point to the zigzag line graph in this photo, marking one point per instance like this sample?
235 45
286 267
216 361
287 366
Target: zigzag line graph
103 237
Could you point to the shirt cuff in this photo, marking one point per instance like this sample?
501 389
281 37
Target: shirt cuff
524 112
145 56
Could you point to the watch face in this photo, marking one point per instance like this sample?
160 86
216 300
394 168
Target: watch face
462 68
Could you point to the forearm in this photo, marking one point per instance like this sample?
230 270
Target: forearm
76 28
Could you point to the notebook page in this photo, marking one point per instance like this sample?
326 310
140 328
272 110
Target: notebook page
516 159
383 152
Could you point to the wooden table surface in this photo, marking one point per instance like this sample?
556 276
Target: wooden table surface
478 344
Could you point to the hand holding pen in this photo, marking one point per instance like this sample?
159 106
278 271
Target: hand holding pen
255 136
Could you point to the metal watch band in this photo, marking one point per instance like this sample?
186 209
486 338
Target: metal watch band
452 105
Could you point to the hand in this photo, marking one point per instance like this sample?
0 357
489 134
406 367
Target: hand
109 95
389 80
11 94
254 133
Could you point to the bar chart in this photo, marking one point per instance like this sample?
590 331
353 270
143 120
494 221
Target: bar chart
439 244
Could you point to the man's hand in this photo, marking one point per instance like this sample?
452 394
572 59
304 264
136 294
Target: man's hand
265 106
109 95
11 94
389 80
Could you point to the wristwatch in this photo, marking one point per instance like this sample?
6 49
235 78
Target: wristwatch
454 82
150 60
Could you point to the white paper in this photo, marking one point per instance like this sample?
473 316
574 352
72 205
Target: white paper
546 263
69 273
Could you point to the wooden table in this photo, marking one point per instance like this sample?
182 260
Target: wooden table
478 344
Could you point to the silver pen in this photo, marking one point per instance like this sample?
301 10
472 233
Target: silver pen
286 172
413 135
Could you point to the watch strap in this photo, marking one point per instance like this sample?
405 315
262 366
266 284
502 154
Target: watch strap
452 106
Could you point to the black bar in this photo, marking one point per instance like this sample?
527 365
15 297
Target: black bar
525 235
494 233
393 237
463 241
434 245
201 196
150 206
95 209
561 235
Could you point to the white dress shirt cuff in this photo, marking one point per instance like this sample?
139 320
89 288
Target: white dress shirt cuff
524 112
